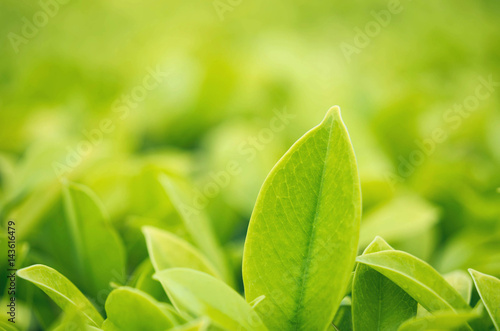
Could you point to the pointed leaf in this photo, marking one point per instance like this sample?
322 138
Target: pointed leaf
488 288
200 294
417 278
100 251
61 290
303 234
130 309
378 303
166 250
197 224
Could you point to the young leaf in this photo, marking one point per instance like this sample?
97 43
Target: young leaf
100 252
303 233
197 225
200 294
442 320
461 282
488 288
142 279
417 278
130 309
61 290
166 250
378 303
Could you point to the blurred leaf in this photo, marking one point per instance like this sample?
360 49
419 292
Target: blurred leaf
100 252
402 217
73 321
61 290
461 282
33 209
142 279
343 317
200 324
197 225
199 294
302 238
7 326
169 251
129 309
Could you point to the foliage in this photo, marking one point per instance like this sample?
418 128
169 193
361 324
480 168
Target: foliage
300 270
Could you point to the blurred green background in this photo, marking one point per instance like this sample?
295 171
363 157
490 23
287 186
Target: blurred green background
111 93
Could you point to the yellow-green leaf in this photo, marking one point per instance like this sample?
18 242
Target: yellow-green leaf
303 233
61 290
129 309
199 294
488 288
377 302
417 278
442 320
166 250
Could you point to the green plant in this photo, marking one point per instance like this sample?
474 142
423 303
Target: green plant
300 270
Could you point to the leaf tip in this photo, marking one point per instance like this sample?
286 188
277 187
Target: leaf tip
22 272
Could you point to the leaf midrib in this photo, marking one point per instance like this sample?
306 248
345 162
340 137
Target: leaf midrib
307 260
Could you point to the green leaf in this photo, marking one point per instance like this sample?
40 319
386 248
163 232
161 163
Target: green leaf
166 250
61 290
197 224
100 252
461 282
417 278
73 321
7 326
303 234
343 318
200 324
130 309
442 320
142 279
378 303
488 288
199 294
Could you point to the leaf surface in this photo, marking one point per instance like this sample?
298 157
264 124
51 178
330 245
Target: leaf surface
129 309
200 324
303 234
377 302
443 320
100 252
166 250
462 282
417 278
64 293
200 294
196 223
488 288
